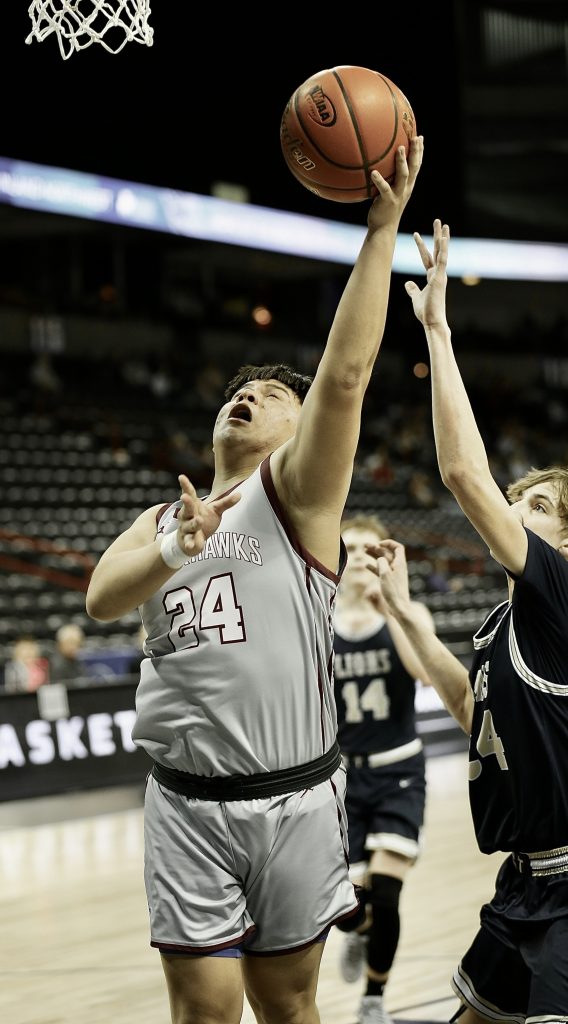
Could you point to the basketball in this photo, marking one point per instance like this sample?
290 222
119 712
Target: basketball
340 125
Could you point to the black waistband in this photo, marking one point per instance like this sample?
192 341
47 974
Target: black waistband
250 787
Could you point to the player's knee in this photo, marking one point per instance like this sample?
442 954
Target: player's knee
384 892
291 1007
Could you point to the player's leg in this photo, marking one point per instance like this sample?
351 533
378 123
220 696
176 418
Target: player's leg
204 989
545 949
492 980
353 953
198 915
294 895
392 845
282 989
353 950
387 871
372 936
522 978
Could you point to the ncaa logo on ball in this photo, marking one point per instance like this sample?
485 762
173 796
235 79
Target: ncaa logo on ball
320 107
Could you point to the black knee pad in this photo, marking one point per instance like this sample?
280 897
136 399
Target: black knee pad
383 897
384 891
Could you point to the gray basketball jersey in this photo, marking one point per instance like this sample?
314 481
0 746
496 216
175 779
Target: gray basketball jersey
240 643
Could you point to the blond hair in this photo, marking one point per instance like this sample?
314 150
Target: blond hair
362 522
557 475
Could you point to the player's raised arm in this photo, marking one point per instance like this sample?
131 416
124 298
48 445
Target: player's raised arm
462 458
444 672
313 471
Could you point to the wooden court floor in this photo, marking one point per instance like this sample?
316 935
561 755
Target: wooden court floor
73 921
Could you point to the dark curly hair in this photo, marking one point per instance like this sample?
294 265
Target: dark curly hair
299 383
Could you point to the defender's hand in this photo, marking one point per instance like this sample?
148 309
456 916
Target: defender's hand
390 566
429 303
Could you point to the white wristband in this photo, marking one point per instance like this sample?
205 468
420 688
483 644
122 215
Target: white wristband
172 554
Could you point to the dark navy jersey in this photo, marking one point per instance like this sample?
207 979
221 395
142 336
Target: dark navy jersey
374 694
519 742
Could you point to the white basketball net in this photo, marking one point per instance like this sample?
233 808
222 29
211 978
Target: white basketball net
78 23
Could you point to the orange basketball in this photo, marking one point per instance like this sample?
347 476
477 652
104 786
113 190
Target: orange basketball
340 125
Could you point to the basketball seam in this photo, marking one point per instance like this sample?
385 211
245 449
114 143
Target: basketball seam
395 108
347 100
309 182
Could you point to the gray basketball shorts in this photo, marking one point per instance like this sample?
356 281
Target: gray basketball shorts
270 873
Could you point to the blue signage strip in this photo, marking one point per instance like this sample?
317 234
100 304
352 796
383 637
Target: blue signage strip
75 193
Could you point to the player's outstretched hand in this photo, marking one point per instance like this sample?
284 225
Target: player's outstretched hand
388 206
198 519
429 303
389 564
